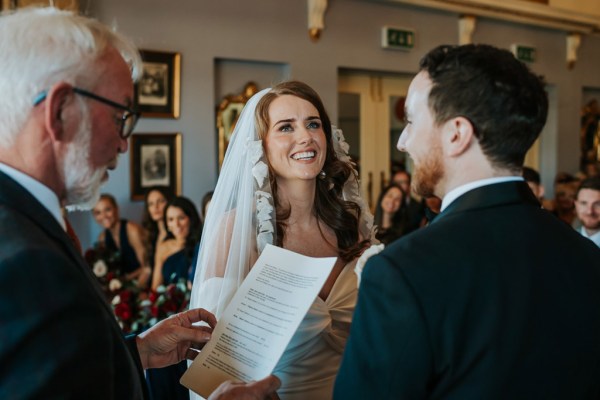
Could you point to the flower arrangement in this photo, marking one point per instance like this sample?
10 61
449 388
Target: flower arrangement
135 310
138 310
106 266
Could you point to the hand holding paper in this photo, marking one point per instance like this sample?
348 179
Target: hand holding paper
258 324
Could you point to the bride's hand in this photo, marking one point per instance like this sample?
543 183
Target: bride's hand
175 338
259 390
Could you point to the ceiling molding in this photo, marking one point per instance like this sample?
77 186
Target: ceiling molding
528 13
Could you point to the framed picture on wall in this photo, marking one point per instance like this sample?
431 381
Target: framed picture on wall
72 5
155 160
157 91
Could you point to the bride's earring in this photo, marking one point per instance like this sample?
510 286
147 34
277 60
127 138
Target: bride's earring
322 175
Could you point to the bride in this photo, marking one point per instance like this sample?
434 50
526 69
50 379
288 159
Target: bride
287 180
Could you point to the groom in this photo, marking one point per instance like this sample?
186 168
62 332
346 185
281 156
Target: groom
496 299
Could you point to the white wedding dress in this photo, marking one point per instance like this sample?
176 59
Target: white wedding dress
309 365
311 361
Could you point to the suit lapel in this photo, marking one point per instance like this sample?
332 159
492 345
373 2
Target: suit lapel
16 197
498 194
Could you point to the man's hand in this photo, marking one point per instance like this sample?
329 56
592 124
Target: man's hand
259 390
175 338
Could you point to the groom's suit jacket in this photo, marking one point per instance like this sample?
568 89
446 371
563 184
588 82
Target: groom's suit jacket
58 336
496 299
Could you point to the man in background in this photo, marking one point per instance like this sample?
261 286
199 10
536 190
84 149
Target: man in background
496 298
65 115
587 206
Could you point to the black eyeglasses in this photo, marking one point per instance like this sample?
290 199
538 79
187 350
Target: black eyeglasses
127 121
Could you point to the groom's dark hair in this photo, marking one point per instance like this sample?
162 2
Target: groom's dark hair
505 102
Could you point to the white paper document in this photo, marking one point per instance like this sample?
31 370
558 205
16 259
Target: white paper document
262 317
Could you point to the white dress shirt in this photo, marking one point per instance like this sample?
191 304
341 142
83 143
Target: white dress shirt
460 190
594 237
41 192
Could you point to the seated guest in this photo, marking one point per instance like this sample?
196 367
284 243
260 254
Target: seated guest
124 237
174 254
205 203
155 203
391 214
532 177
563 204
587 206
415 207
172 263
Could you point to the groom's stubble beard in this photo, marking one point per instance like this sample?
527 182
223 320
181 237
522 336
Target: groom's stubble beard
429 172
82 182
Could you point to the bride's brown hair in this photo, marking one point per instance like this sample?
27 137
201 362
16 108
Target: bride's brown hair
341 216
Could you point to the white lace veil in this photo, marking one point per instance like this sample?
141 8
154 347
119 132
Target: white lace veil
241 218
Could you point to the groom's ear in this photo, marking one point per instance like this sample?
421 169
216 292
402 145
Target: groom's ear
459 134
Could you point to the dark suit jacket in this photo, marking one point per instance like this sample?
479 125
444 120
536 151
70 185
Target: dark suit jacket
58 336
496 299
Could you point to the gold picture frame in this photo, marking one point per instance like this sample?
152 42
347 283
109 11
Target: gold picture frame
155 160
157 91
71 5
228 112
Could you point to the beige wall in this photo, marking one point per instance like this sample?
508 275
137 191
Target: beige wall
275 32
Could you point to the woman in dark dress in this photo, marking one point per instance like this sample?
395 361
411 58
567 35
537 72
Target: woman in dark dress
155 202
391 214
124 237
172 262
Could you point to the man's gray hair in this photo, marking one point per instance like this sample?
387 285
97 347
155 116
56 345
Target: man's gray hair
41 46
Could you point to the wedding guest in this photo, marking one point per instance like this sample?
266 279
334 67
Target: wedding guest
174 254
287 180
496 299
206 199
155 202
563 203
532 177
65 116
122 237
415 208
172 264
391 216
587 206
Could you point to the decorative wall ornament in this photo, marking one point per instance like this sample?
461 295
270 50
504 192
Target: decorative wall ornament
316 18
466 27
573 42
227 114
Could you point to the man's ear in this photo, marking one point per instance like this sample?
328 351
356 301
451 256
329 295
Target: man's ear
56 99
459 135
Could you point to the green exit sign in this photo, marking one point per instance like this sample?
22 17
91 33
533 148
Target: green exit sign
397 38
524 53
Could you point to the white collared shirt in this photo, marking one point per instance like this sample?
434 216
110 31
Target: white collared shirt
459 191
41 192
594 237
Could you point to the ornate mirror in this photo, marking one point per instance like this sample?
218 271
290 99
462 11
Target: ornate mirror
227 114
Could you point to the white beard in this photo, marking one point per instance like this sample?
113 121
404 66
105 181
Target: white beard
82 183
